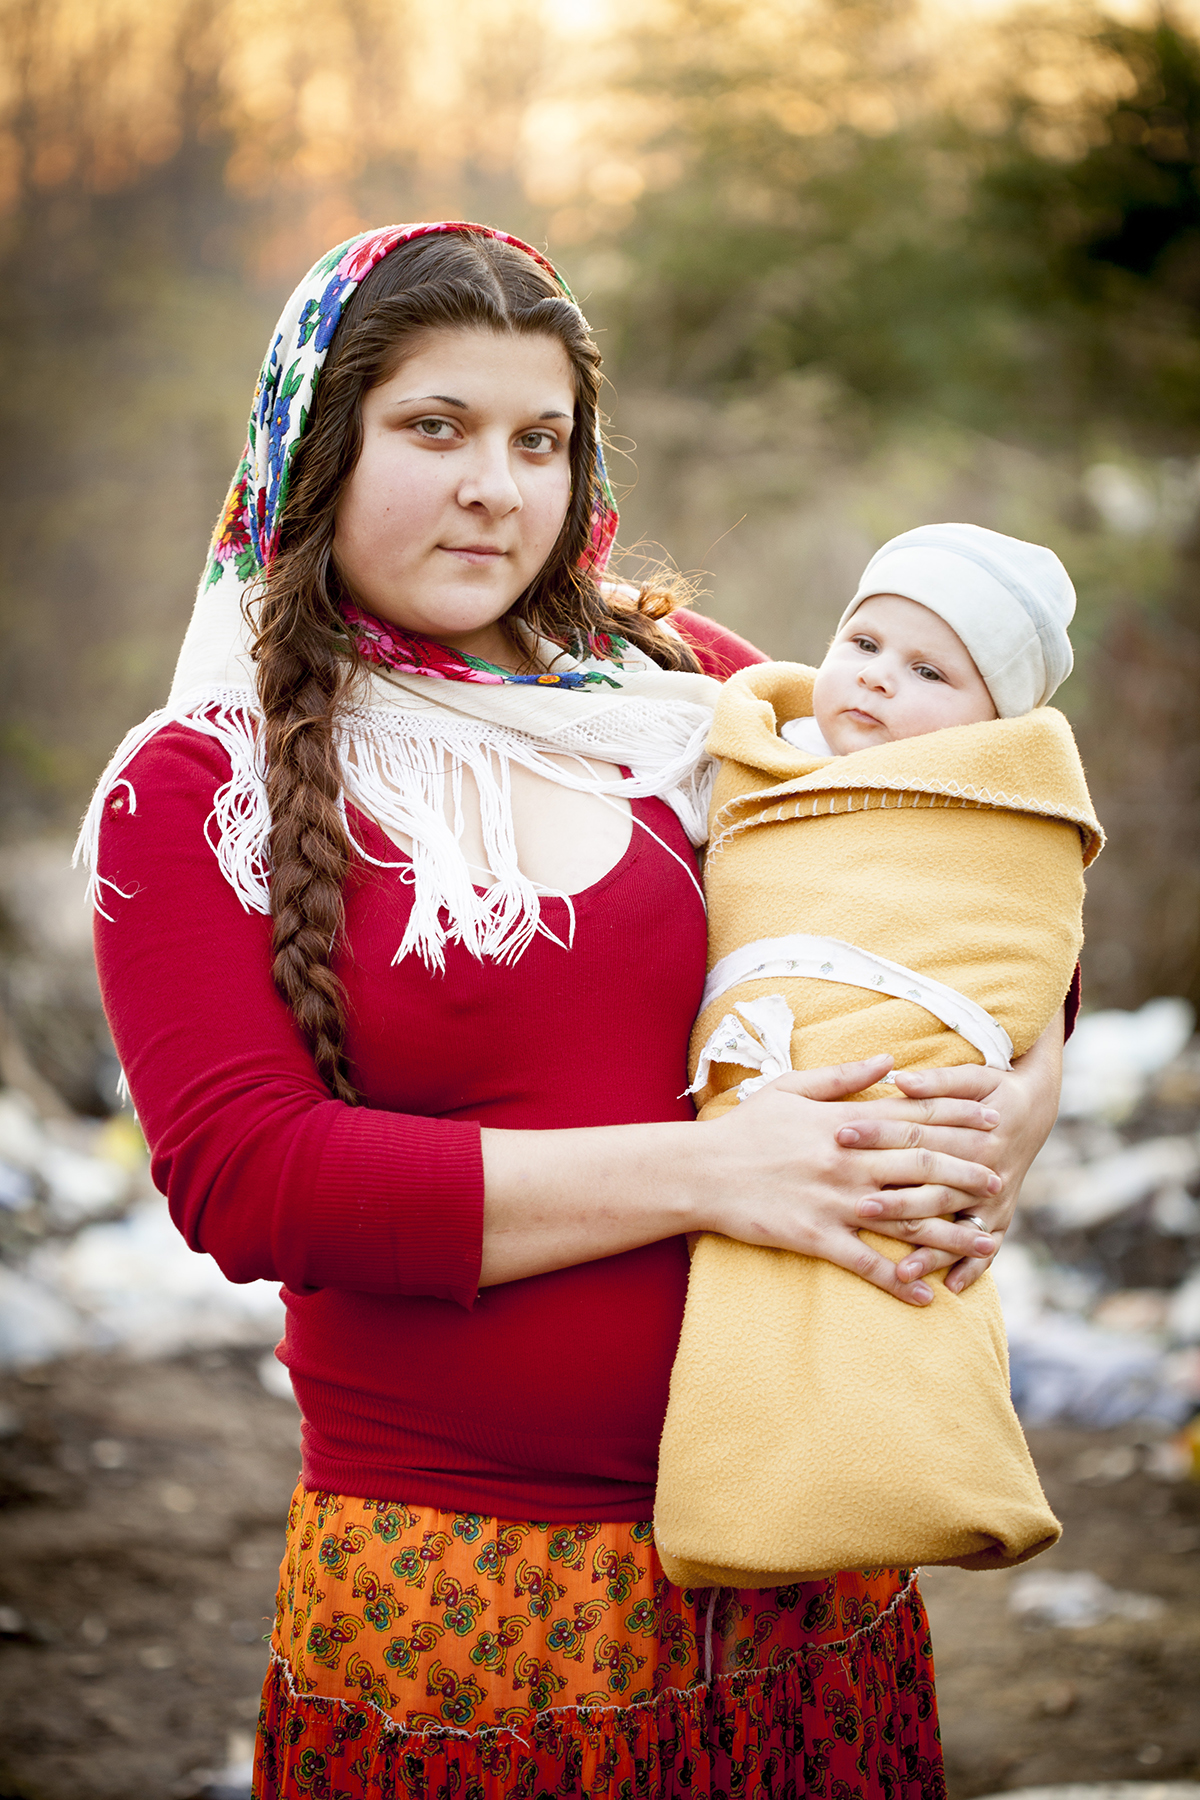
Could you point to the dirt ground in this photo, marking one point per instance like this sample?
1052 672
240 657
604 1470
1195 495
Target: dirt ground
141 1530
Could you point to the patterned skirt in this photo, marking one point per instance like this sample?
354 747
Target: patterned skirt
424 1655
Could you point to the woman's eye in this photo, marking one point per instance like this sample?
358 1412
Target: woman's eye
541 441
440 430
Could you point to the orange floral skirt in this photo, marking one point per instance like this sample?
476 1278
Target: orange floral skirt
424 1655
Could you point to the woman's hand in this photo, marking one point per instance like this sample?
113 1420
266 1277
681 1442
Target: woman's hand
800 1168
796 1166
778 1170
1026 1100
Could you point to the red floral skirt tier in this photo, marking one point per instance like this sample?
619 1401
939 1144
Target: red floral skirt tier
420 1655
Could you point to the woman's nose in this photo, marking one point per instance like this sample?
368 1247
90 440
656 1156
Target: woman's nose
488 481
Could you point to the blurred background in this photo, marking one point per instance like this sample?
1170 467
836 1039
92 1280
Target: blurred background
854 265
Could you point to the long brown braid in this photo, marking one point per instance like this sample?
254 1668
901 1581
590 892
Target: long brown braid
305 662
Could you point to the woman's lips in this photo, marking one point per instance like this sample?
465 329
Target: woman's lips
475 553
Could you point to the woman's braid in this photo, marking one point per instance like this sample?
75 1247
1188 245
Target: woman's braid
308 848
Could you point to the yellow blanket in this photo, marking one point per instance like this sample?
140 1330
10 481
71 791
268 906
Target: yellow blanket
815 1423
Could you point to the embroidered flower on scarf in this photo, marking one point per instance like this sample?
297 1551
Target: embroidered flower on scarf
231 539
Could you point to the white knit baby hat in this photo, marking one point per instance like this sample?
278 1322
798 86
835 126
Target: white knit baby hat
1010 602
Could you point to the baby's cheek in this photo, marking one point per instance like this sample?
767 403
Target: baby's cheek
825 702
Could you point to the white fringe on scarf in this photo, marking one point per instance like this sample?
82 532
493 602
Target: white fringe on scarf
405 769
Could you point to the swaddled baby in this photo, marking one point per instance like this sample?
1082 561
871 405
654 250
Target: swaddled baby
896 854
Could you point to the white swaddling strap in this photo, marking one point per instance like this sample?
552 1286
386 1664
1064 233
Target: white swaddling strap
829 959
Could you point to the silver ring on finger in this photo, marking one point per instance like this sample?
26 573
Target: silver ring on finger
973 1219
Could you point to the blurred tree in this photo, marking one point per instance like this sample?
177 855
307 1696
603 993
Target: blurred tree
1138 721
1010 260
123 322
171 169
1104 247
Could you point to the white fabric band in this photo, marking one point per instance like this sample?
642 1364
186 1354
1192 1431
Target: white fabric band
829 959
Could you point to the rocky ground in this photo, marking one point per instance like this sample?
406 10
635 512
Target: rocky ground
139 1546
143 1516
1024 1705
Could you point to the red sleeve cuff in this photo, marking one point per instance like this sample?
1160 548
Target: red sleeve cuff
397 1206
1074 996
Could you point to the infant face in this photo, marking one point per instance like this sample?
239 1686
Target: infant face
895 670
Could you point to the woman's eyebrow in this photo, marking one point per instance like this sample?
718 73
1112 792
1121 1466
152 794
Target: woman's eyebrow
464 405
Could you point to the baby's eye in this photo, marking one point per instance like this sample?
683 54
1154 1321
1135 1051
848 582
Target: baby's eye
541 441
926 673
865 643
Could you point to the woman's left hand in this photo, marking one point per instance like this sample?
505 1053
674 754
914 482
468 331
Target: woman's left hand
1026 1097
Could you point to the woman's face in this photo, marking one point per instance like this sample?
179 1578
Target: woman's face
462 486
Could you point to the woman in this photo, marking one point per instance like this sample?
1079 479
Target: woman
401 941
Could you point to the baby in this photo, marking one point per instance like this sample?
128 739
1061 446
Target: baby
951 625
896 853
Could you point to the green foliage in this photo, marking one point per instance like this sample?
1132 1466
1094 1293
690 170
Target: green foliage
838 322
1104 250
932 266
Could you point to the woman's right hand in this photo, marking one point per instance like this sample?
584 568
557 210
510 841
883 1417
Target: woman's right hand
775 1174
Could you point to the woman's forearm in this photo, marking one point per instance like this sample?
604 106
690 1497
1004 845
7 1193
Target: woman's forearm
556 1198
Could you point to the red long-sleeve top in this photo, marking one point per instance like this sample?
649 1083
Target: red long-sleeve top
541 1398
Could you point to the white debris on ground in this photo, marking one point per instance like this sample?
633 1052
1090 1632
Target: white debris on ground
91 1259
1100 1280
1076 1598
1112 1057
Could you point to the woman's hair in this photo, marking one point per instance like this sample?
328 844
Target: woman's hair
305 658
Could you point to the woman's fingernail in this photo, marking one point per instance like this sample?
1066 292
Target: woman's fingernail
920 1291
983 1246
990 1116
847 1135
994 1184
869 1209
